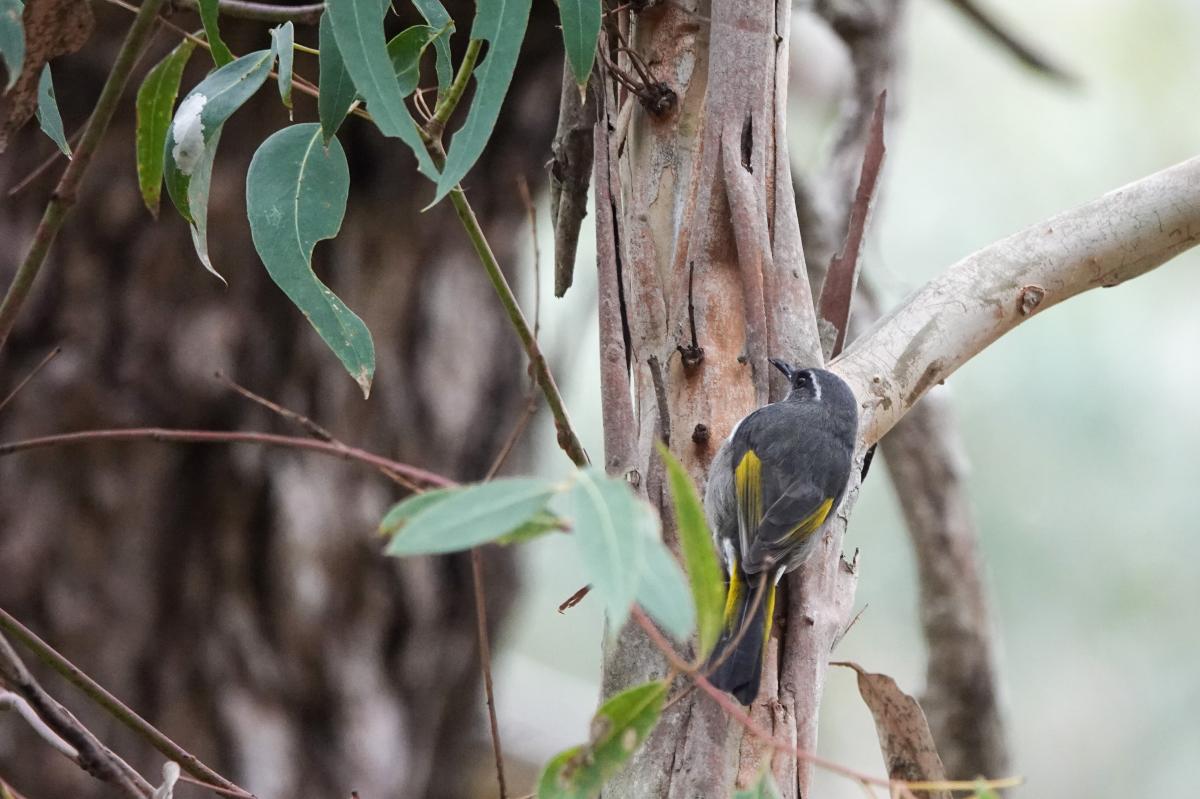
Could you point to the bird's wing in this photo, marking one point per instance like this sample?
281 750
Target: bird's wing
792 518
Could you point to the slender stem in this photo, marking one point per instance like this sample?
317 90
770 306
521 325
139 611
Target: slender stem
308 14
68 187
447 103
74 675
50 356
227 437
485 657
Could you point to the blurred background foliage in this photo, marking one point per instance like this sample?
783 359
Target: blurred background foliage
1079 428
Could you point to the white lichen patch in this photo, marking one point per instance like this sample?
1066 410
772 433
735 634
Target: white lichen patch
188 132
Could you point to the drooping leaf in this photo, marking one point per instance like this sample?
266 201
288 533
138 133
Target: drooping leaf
618 729
662 589
337 88
405 50
581 31
48 116
695 542
473 515
436 15
221 54
192 136
12 39
765 788
402 511
502 26
604 517
283 38
296 196
198 187
358 27
904 736
155 99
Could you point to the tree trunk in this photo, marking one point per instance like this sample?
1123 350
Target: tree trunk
235 595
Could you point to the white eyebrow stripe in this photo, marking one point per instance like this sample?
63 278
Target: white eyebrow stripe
816 384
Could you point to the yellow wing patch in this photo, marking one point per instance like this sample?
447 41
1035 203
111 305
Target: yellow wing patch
747 478
809 524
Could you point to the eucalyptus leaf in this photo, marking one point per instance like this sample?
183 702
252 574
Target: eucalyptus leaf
695 542
581 30
542 523
284 40
662 590
337 88
358 27
436 15
473 515
209 12
402 511
405 50
296 196
502 25
618 729
12 39
192 136
48 117
155 98
604 517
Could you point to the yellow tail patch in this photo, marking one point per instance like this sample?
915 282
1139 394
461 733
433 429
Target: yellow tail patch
733 598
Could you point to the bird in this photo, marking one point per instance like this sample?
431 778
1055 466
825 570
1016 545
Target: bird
774 484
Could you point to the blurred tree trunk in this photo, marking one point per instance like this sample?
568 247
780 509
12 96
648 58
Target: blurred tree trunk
235 595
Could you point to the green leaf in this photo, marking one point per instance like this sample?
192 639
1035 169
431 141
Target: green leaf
765 788
358 27
12 39
296 196
405 50
155 98
662 589
283 38
402 511
47 112
618 729
543 522
436 15
581 31
502 25
337 88
192 137
221 54
604 515
473 515
695 542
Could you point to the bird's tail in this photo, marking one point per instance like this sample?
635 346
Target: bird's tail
735 665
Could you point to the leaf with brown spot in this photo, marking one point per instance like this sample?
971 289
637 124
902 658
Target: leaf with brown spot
904 736
52 28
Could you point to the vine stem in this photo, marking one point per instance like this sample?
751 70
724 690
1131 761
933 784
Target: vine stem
67 190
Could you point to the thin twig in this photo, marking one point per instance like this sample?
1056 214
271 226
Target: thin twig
41 168
448 102
122 713
92 756
10 700
527 199
1022 51
67 190
229 437
50 356
485 657
574 599
308 14
315 430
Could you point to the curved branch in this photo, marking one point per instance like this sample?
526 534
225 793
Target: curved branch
1118 237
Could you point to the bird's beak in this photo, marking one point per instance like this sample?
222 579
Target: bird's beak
783 366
